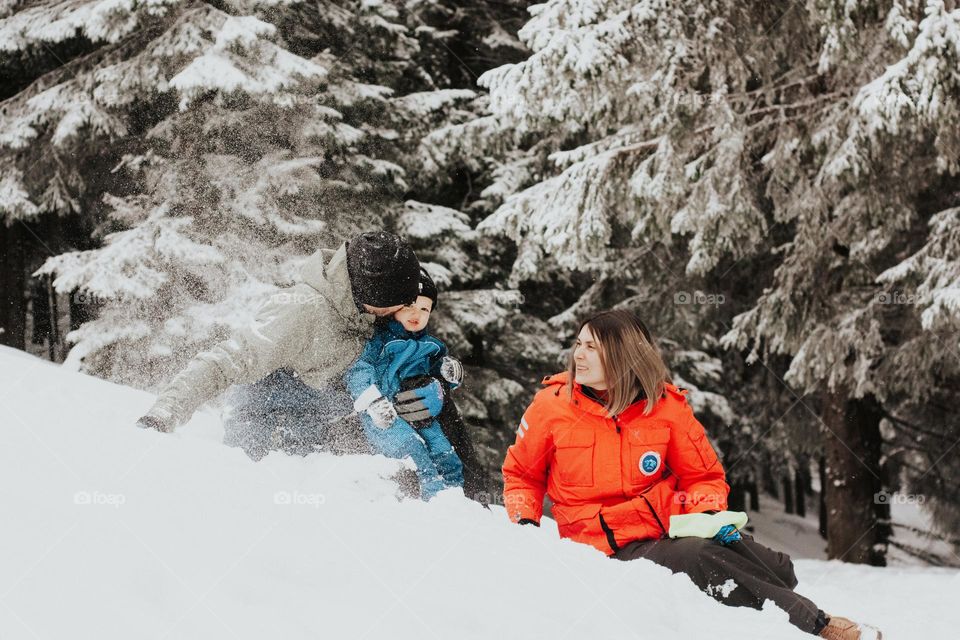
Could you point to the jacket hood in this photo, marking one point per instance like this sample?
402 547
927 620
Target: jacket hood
394 328
326 271
558 380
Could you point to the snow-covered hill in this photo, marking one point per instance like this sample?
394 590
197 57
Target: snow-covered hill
113 532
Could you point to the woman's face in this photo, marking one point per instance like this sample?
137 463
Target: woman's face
586 355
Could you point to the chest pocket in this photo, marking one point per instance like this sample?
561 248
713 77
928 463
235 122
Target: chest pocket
648 453
573 461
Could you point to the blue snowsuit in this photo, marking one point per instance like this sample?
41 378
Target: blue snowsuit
390 356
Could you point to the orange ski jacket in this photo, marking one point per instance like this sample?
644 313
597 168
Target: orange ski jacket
615 479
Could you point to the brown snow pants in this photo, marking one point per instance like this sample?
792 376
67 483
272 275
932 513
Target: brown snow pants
759 573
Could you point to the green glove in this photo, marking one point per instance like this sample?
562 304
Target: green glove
705 525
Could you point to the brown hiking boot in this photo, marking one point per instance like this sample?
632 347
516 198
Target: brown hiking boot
843 629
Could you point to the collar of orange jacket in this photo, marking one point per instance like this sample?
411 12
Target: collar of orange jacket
587 403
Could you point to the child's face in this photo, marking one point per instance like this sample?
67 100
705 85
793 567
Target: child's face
414 317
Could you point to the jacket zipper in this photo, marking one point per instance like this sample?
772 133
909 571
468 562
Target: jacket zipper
608 532
616 423
603 525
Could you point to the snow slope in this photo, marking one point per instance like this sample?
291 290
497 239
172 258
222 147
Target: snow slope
114 532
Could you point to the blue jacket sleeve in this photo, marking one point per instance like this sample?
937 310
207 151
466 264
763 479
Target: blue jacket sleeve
362 374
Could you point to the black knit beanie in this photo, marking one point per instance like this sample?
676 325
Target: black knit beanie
428 288
384 271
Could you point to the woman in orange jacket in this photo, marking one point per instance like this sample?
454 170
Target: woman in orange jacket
618 466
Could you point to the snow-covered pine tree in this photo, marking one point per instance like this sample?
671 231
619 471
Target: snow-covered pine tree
128 126
478 310
920 412
216 146
34 223
240 138
884 164
566 270
779 155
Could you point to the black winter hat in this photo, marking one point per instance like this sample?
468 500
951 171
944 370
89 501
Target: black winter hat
428 287
383 269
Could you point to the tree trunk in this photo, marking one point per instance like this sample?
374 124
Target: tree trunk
40 310
799 489
754 496
822 467
853 479
55 347
13 281
735 499
787 492
770 482
79 311
807 476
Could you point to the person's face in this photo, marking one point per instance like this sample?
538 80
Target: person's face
586 356
415 317
382 311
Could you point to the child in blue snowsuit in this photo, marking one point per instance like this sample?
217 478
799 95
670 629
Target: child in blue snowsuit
401 349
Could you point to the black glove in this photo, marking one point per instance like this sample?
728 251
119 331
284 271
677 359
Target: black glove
528 521
422 404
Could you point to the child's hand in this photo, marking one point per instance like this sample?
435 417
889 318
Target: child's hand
382 413
451 370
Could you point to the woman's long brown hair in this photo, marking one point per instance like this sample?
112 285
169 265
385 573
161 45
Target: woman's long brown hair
631 360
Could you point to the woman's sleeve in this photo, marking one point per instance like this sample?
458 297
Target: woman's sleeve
701 478
526 467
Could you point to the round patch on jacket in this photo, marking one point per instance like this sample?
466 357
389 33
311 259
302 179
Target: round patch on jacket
649 463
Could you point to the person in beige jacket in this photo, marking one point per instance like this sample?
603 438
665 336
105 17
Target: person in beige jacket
300 342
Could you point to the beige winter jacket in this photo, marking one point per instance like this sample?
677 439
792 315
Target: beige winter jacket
313 327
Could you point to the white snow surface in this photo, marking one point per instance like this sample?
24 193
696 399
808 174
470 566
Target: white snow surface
114 532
